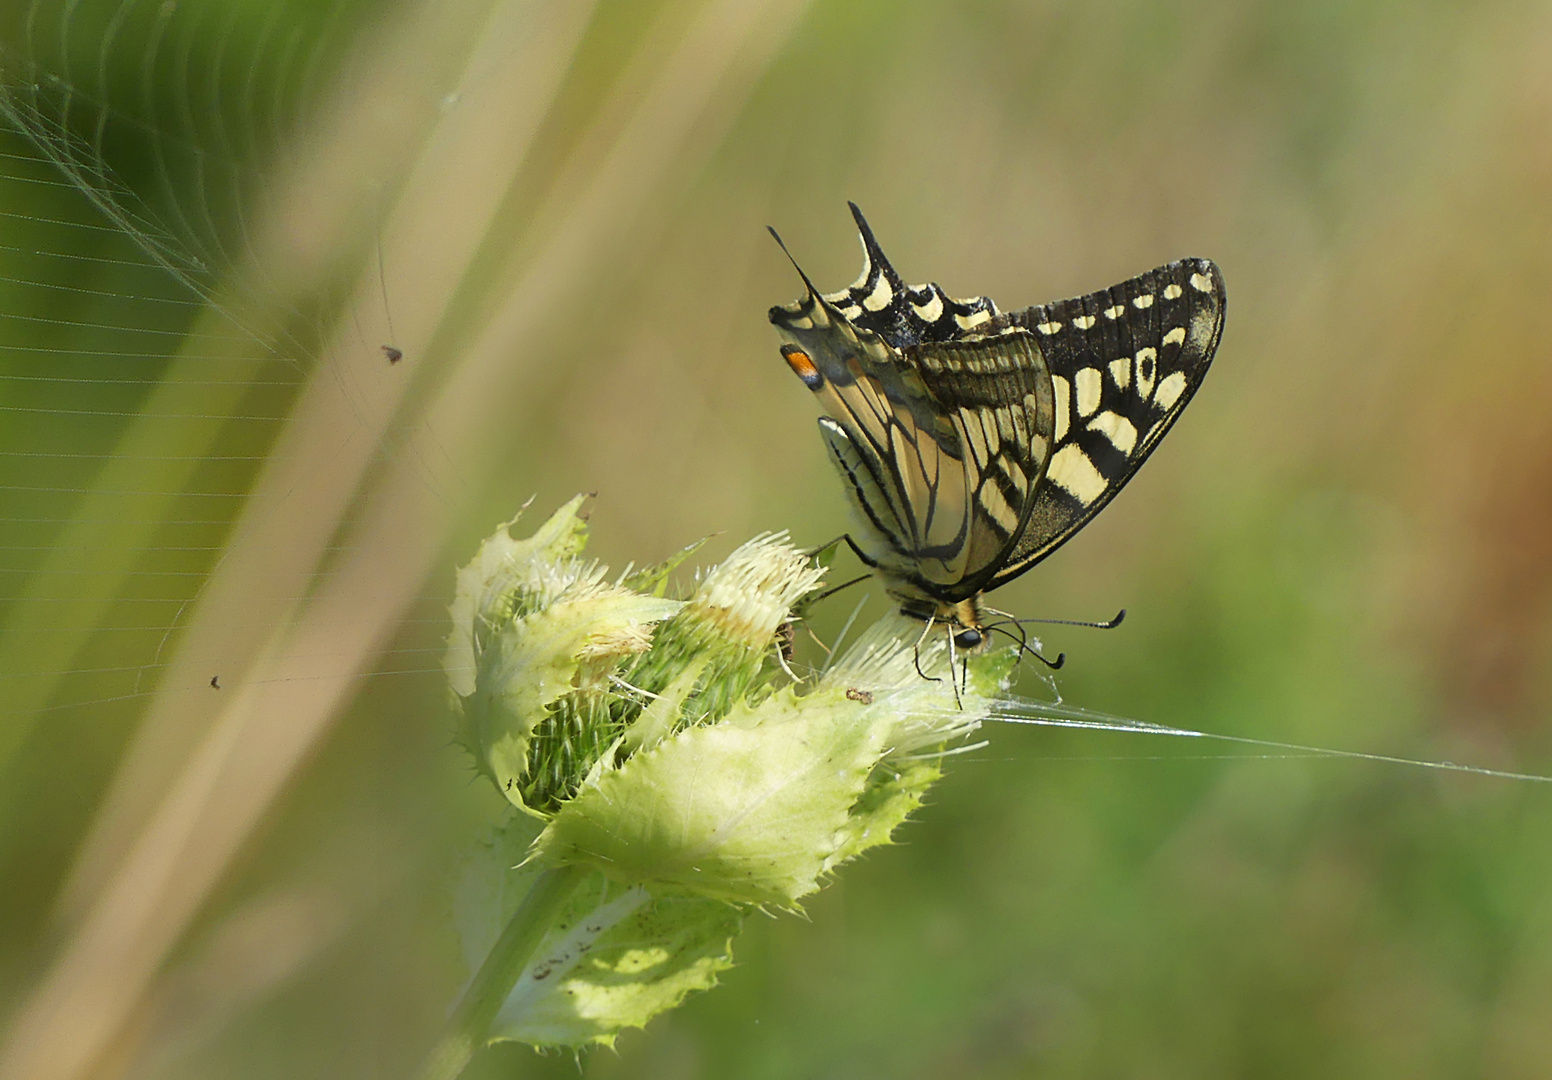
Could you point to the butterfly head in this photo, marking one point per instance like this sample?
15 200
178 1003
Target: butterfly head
962 619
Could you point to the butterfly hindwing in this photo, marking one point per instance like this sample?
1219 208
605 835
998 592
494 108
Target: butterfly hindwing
880 302
997 392
942 506
1124 362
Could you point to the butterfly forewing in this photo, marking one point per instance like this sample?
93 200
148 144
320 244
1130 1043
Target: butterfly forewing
1124 362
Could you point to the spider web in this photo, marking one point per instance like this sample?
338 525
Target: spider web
218 501
148 350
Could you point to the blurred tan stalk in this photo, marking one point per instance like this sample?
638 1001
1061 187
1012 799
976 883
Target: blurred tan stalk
459 171
303 675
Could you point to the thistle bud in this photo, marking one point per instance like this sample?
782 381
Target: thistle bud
729 626
537 637
682 775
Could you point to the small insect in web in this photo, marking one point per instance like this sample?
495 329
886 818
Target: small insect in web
215 682
975 442
394 355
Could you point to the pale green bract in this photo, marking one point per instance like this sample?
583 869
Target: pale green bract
680 773
612 958
747 810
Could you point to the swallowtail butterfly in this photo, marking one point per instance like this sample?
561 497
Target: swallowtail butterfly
975 442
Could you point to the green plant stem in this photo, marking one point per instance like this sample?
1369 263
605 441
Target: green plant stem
469 1026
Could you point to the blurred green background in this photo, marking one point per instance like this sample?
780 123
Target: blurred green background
1346 542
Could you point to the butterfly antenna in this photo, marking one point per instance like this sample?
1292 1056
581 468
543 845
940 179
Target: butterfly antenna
1110 624
1025 647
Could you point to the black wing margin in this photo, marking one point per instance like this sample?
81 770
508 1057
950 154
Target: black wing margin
1124 362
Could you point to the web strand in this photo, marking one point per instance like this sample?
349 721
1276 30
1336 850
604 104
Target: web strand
1038 714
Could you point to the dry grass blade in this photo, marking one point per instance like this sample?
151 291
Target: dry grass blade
443 213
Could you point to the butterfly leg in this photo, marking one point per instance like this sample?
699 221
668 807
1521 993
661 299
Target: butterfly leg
809 601
953 676
826 547
916 652
830 545
846 537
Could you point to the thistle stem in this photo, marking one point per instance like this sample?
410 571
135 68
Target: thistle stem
469 1026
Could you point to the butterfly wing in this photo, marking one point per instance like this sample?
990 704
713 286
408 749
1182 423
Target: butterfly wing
904 467
901 455
975 443
1124 362
941 507
999 395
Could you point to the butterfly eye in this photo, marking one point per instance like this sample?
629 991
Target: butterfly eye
968 638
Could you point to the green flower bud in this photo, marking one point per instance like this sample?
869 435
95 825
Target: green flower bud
756 808
537 637
729 626
681 773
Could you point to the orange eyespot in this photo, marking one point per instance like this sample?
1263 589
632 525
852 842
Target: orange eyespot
803 366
